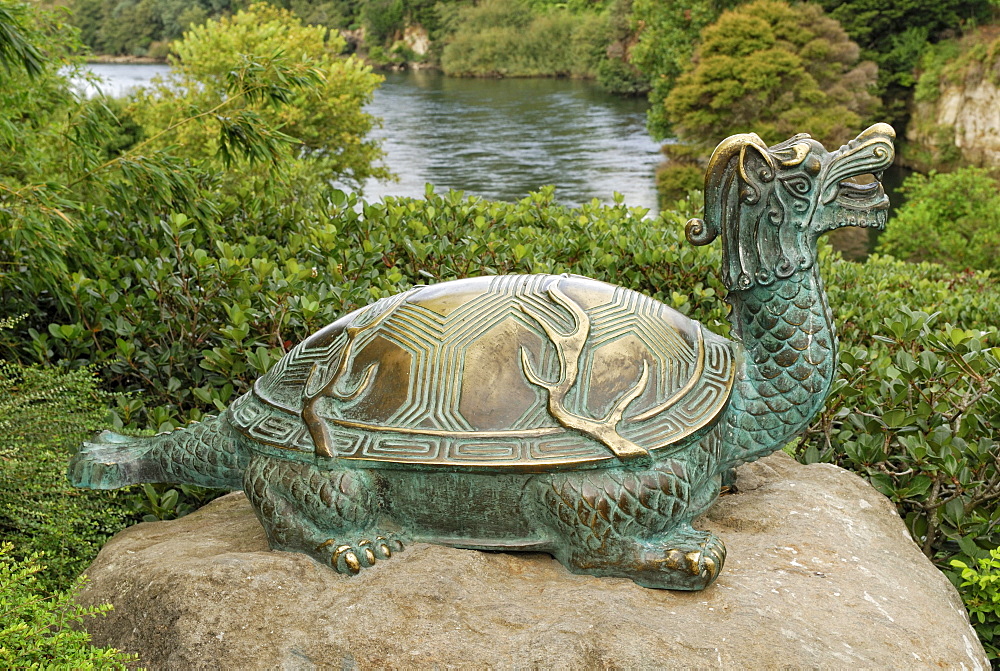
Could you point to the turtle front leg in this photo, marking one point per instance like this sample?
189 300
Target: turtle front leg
633 524
328 515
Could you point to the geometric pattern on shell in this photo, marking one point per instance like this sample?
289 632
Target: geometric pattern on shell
530 373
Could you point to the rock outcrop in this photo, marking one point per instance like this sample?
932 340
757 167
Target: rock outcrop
965 117
961 124
820 573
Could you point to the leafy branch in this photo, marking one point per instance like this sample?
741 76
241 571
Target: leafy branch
245 132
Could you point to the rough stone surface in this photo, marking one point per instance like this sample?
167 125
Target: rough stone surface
820 573
417 40
969 114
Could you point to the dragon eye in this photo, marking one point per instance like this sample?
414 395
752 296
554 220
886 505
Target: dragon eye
812 165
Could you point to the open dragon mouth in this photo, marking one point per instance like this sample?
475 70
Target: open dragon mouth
858 198
862 202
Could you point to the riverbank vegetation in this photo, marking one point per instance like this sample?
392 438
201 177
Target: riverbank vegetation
499 38
162 252
629 46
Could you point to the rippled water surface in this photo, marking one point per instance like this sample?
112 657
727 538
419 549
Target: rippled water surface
119 78
497 138
501 138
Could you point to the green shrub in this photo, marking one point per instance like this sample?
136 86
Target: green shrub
39 629
980 588
949 218
319 105
916 405
916 411
915 408
44 412
676 179
774 69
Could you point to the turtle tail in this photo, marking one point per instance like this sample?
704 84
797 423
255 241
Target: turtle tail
205 454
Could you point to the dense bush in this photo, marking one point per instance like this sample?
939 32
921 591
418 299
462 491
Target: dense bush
949 218
507 39
44 413
322 120
915 411
916 405
37 628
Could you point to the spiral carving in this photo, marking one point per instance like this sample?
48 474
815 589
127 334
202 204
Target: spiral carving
699 232
785 268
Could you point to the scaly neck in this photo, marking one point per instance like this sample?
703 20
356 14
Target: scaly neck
790 348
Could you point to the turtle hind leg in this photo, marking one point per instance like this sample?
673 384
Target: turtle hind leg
684 559
633 524
328 515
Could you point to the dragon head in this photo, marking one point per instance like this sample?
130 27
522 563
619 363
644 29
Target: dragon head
771 204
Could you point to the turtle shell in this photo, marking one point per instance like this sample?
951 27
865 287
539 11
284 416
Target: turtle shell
528 372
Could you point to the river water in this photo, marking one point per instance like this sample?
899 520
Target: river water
496 138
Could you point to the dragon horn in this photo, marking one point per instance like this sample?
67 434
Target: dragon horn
704 231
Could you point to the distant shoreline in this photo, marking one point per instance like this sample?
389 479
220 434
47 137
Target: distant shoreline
126 60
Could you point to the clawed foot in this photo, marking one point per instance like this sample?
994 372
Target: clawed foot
350 558
692 562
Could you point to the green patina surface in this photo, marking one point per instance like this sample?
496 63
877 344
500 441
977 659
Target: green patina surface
544 413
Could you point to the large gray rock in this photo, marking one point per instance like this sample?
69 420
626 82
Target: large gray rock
820 572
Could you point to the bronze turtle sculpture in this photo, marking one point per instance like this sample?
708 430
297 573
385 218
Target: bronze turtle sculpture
543 413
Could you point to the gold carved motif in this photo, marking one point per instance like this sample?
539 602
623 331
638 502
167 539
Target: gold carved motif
569 348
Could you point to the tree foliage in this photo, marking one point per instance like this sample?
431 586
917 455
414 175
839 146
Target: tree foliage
667 37
774 69
322 109
949 218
